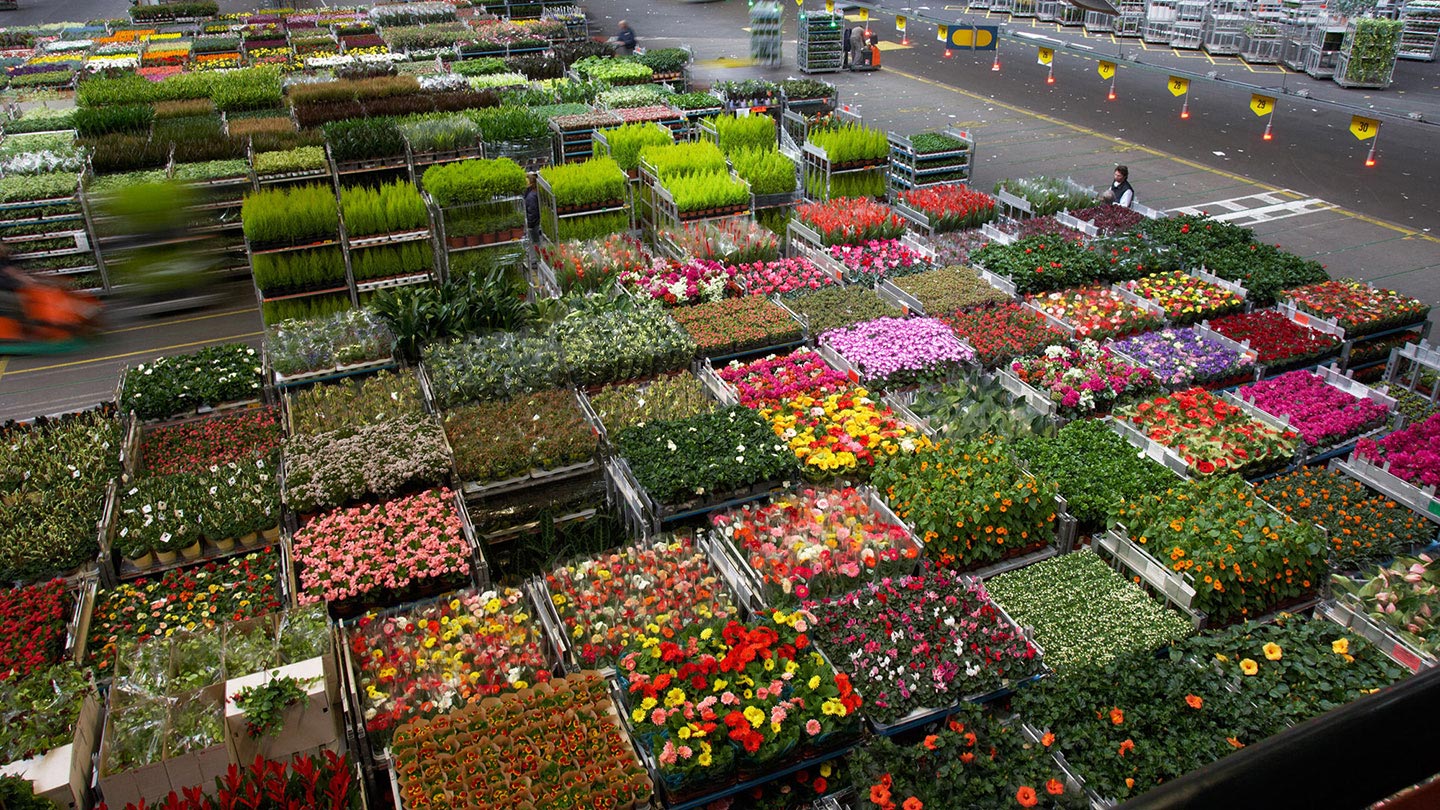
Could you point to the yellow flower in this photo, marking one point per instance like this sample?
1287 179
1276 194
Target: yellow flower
826 770
1273 651
707 633
1340 646
814 682
754 715
684 732
674 697
648 703
638 715
705 759
1249 667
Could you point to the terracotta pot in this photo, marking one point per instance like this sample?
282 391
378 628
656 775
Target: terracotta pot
455 241
473 240
489 238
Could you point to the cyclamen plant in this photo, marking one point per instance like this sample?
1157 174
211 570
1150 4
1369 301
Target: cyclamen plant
1085 378
875 260
677 284
782 277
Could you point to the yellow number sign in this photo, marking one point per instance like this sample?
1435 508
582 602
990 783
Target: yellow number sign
1045 56
900 22
1364 128
1106 70
943 33
864 15
1178 86
1262 105
829 6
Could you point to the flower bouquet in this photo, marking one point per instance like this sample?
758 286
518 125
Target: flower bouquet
1410 453
875 260
840 434
969 502
1185 298
1280 342
1192 529
737 325
1187 357
424 661
558 744
33 620
887 636
774 379
1212 435
605 601
818 544
388 552
721 700
1084 379
707 457
974 760
1323 414
899 352
1004 330
231 590
1083 613
1363 527
1097 312
1360 308
783 277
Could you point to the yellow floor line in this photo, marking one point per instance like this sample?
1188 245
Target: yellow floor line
1153 152
4 361
132 354
182 320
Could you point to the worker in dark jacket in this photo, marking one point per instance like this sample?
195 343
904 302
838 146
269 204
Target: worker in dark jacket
626 37
532 209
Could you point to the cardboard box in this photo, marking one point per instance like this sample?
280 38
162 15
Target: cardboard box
154 781
307 728
63 774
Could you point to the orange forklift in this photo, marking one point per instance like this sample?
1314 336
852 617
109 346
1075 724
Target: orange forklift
38 317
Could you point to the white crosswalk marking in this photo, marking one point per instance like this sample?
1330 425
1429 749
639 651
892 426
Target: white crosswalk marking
1254 209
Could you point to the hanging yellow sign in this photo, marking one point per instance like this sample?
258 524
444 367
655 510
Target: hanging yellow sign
1178 86
1364 128
1106 70
900 23
942 34
1045 56
1262 105
864 15
829 6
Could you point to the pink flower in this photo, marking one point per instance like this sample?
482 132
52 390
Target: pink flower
812 727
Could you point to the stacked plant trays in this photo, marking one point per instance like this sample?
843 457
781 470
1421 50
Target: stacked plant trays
1411 376
765 43
1420 37
1099 22
564 215
1367 55
292 260
573 133
394 246
1370 320
1159 21
50 229
863 174
477 205
821 47
930 159
1262 43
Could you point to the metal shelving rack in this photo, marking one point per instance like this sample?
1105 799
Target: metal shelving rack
349 245
67 225
1189 29
909 169
1420 38
1097 22
1322 53
766 18
1131 20
821 45
1262 43
1342 60
551 216
1224 27
575 144
1159 22
1298 21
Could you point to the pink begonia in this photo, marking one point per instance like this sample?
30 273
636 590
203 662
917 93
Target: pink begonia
1322 413
352 552
900 350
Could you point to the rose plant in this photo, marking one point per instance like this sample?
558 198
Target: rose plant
784 377
839 434
704 456
1363 527
969 502
1186 357
816 543
1323 414
1083 379
1096 312
1004 330
899 352
888 637
735 325
1083 613
1243 557
1184 298
381 551
1210 434
606 600
426 660
1279 341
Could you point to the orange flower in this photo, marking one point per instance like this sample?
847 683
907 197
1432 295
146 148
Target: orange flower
879 794
913 803
1026 796
1234 742
1116 716
886 780
1194 701
1055 787
1129 783
957 726
1047 740
967 757
930 742
1128 745
1249 667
